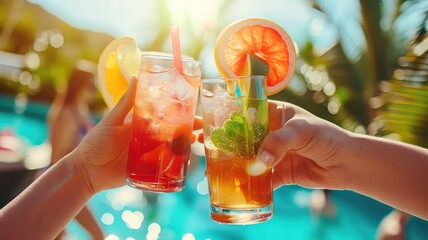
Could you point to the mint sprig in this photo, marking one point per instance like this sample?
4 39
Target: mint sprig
238 136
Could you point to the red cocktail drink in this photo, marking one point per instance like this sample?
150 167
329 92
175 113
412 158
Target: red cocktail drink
162 124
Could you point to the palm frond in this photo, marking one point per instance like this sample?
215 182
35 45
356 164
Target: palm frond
406 96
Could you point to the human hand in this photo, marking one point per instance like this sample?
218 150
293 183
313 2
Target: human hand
303 149
102 155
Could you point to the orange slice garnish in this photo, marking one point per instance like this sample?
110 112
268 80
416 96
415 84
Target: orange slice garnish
262 38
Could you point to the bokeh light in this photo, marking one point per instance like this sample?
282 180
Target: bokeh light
188 236
56 40
202 187
107 219
111 237
133 220
32 60
153 231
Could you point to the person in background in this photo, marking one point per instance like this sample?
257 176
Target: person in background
393 226
69 121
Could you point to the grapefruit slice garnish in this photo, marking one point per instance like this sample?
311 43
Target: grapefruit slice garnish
262 38
118 62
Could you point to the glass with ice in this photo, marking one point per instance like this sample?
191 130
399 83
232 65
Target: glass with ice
162 123
235 119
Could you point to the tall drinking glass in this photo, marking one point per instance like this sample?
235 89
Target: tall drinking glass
162 123
235 119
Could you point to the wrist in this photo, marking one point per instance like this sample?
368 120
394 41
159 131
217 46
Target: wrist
81 172
351 160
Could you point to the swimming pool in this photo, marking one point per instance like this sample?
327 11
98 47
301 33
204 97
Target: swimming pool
126 213
30 125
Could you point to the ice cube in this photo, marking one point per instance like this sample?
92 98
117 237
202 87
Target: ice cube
174 85
165 82
223 108
220 116
157 68
183 90
218 105
162 105
220 92
154 91
206 93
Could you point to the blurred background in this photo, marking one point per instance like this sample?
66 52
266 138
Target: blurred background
362 65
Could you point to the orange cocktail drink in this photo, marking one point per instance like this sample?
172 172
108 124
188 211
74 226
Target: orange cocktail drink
162 124
235 115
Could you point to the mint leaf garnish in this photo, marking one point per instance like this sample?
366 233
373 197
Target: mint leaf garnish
220 140
237 117
238 136
234 129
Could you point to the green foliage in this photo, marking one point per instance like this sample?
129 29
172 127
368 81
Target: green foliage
405 98
238 136
55 64
404 109
233 136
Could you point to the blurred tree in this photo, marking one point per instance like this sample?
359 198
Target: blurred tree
403 104
49 47
346 93
10 22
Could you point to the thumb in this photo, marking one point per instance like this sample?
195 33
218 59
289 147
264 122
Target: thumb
120 111
277 143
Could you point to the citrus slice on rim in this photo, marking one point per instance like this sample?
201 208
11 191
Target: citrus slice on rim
262 38
118 62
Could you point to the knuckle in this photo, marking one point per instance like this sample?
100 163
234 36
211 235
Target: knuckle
299 132
298 125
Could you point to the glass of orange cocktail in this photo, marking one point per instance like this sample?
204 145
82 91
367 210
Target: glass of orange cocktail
235 119
162 123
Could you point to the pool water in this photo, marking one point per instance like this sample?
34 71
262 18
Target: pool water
126 213
30 129
187 212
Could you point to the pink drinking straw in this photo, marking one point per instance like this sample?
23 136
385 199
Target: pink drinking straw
176 50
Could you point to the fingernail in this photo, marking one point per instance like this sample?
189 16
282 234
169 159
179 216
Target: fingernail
133 79
128 117
265 158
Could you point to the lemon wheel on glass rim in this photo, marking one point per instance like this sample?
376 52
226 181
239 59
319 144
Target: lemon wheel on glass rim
117 64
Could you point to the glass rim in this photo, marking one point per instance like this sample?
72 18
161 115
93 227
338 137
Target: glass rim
167 56
237 78
253 86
